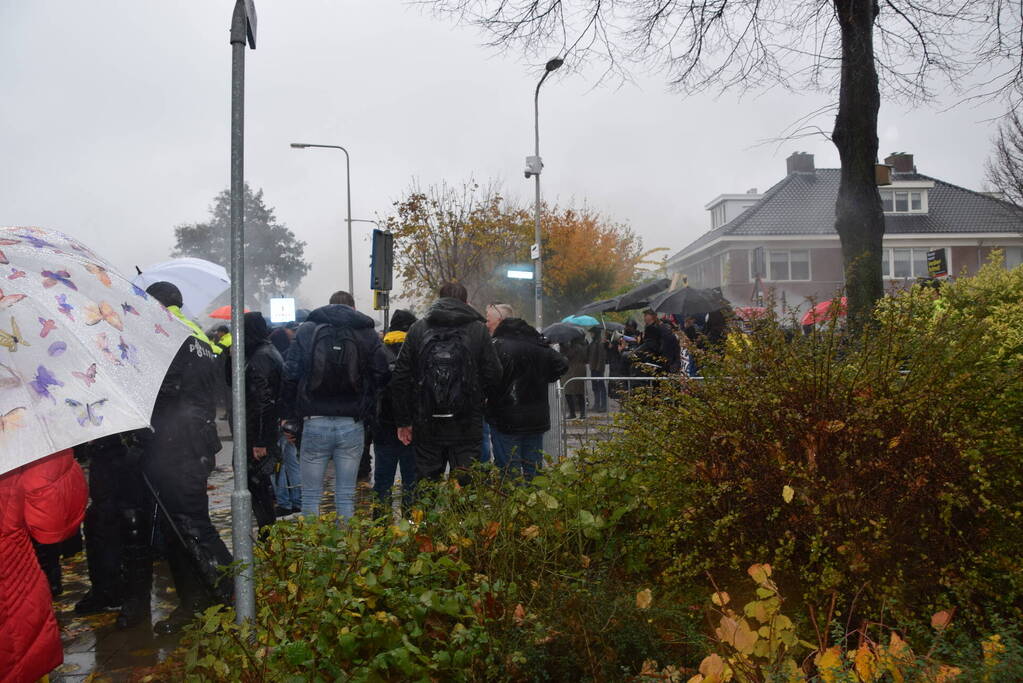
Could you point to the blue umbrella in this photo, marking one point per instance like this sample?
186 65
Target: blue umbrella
581 320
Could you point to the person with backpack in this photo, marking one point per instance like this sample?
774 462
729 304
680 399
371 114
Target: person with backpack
389 452
332 373
446 370
520 412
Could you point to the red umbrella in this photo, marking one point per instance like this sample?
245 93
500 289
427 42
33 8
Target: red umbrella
822 311
749 313
223 313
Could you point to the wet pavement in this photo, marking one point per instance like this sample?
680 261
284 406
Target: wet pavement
95 649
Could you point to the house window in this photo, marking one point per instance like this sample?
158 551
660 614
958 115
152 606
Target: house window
717 215
903 201
1013 256
902 263
788 265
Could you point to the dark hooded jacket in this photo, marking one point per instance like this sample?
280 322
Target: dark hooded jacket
296 399
528 365
401 322
264 376
406 383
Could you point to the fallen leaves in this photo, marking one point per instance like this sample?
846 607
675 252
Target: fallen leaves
644 599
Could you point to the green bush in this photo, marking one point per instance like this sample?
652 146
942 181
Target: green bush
882 471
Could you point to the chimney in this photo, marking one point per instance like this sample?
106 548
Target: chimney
901 162
800 162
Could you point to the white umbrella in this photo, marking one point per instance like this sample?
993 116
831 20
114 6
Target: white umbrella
83 351
200 281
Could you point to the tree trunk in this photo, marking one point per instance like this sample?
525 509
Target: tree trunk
859 219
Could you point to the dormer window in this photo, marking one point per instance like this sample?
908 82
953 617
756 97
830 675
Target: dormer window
904 201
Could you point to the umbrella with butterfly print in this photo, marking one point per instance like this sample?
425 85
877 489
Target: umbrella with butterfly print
83 351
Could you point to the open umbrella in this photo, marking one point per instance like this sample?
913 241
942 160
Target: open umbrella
83 351
641 296
598 307
582 320
822 311
563 333
750 313
688 301
199 281
223 313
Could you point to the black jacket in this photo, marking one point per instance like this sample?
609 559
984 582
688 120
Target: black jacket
264 377
528 365
297 402
405 390
185 408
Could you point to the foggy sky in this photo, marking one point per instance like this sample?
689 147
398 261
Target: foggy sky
114 126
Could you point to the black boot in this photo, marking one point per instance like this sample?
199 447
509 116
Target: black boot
96 602
138 569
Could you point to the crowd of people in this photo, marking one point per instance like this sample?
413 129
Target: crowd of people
431 396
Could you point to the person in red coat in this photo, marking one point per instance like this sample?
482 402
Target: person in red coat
44 500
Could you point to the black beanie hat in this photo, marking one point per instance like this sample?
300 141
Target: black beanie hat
166 293
402 320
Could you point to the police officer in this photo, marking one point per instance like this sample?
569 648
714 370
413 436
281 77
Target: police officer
177 458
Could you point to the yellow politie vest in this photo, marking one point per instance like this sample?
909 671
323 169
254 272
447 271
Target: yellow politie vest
196 330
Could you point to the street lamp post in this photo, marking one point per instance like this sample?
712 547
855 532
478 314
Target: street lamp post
348 184
533 167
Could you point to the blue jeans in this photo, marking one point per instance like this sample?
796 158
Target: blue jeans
323 439
389 455
486 450
288 483
518 452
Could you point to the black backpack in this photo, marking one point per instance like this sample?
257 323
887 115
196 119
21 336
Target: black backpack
447 373
335 369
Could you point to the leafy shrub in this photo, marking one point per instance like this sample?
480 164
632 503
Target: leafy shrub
881 471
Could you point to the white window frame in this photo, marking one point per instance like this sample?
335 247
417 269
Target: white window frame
889 273
767 264
909 200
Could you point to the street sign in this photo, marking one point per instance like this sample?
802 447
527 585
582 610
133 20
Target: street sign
534 251
250 22
282 310
520 274
937 263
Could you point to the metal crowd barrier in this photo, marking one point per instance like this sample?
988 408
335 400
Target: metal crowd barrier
556 440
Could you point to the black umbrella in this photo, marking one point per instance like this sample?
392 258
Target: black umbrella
688 301
613 326
642 295
597 307
563 333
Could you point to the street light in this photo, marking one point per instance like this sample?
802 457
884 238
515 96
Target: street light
533 167
348 184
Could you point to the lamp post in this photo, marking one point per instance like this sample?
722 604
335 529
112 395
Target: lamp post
348 185
243 29
533 167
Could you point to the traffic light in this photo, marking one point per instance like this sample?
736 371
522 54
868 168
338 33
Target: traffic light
382 261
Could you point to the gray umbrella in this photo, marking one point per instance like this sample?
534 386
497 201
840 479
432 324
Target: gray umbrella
642 295
688 301
597 307
563 333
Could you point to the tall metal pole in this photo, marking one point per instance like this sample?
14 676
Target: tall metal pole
241 506
538 236
348 187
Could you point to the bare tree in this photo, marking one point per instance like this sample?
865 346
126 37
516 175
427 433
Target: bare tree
1005 167
860 46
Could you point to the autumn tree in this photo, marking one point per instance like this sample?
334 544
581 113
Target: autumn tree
859 46
452 233
472 233
587 257
274 257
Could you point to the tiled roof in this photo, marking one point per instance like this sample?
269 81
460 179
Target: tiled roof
804 204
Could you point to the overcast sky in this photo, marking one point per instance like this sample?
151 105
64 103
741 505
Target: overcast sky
114 126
